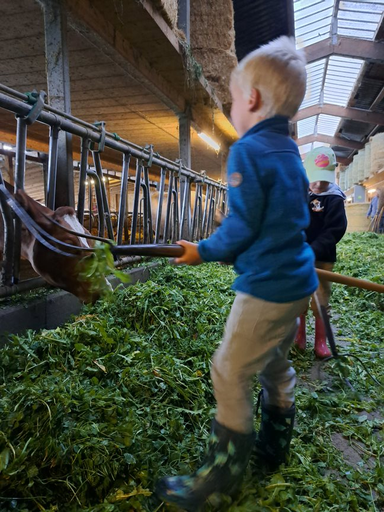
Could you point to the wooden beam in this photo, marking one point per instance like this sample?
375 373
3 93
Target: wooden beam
378 99
88 21
103 35
333 141
356 114
343 161
347 47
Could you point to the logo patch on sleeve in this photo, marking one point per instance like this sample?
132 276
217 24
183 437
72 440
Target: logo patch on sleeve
235 179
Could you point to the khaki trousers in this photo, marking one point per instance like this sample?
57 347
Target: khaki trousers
257 339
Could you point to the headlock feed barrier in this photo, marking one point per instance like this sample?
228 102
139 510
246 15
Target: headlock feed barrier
153 199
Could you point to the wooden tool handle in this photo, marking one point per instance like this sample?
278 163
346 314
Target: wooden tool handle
350 281
174 251
153 250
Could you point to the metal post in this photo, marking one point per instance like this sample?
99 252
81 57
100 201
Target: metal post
136 196
6 276
184 18
82 179
168 210
160 205
123 197
52 166
105 206
224 158
147 202
57 63
21 146
185 157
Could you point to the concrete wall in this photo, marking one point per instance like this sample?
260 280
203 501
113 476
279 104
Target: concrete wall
52 310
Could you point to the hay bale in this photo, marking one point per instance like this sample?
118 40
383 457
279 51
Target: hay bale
357 217
169 11
213 43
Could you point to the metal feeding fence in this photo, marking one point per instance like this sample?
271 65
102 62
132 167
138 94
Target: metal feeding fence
157 201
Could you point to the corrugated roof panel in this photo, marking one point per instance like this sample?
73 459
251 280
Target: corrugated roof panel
306 126
327 124
359 19
340 80
315 74
318 144
305 148
312 20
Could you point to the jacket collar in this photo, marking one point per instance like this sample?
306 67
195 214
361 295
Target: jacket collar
276 124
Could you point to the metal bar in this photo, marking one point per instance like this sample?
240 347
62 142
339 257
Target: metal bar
176 219
185 160
185 215
90 205
123 197
24 286
136 196
205 214
105 211
52 166
99 202
82 179
160 205
168 210
121 145
8 247
21 147
148 218
144 212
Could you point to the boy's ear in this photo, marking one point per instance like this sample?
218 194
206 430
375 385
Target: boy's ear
254 101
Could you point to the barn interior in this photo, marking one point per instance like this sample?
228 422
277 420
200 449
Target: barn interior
121 110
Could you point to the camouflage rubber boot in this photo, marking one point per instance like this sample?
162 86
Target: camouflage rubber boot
221 472
275 434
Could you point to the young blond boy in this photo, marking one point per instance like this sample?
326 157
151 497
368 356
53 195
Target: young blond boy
263 237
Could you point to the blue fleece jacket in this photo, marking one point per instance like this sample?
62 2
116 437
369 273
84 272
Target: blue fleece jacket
263 235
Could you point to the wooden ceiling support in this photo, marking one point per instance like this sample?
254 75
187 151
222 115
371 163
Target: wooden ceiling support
346 47
356 114
108 40
333 141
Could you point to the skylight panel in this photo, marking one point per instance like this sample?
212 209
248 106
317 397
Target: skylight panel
327 125
306 126
340 80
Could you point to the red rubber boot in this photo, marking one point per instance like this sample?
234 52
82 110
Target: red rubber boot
301 340
321 349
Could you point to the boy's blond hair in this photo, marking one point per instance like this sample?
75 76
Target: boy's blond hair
277 70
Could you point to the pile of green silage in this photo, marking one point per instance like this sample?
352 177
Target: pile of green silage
92 413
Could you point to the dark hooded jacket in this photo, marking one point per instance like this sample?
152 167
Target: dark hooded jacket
328 222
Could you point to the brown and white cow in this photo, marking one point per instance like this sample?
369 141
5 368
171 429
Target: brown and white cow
56 269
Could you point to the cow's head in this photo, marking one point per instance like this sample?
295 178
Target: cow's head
57 270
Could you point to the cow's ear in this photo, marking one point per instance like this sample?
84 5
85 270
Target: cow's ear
63 210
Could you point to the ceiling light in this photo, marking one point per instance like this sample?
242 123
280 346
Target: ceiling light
209 141
7 148
371 191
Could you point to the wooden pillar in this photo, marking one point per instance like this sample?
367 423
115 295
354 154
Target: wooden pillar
57 67
224 157
185 157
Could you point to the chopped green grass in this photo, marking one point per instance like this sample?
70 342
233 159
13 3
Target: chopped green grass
92 413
